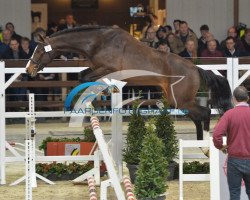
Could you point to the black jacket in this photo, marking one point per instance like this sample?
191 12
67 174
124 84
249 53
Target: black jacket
185 54
9 54
236 54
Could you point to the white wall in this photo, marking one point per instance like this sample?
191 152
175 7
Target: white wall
19 13
217 14
244 15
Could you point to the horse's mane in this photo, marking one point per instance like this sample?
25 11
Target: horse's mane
80 28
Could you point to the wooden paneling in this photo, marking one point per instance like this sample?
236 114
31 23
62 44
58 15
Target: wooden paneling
109 12
162 4
236 12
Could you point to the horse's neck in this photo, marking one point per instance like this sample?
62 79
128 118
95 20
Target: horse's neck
72 42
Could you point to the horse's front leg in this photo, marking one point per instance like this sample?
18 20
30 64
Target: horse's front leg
92 75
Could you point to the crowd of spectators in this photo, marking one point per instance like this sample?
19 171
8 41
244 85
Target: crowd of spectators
183 41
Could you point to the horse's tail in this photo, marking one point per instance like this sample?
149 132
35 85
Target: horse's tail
220 89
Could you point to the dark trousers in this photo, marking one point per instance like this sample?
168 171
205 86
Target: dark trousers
238 169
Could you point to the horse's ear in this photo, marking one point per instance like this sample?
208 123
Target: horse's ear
40 39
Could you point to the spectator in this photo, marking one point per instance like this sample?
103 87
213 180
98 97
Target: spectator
17 94
70 23
150 22
174 44
211 50
52 28
5 44
163 46
151 39
14 52
176 24
168 29
26 50
61 22
190 50
235 125
231 49
232 32
202 42
10 26
209 36
147 24
161 34
186 34
246 41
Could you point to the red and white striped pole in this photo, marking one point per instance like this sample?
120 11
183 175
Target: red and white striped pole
103 146
92 190
95 122
128 188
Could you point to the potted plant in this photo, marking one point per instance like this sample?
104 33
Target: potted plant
150 183
165 131
194 167
56 146
60 171
135 135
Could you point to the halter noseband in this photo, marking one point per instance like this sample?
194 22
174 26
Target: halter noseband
39 65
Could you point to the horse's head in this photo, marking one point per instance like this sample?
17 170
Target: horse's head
42 55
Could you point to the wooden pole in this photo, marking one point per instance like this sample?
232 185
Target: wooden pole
236 12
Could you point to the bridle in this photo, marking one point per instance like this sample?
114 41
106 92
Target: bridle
39 65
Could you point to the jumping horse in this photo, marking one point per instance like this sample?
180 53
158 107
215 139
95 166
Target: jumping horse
112 49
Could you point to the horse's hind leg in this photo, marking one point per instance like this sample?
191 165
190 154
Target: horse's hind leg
198 114
207 121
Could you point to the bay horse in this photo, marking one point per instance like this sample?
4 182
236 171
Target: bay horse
112 49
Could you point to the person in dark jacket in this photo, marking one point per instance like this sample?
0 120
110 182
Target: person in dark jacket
231 50
70 23
202 42
26 49
15 52
246 42
161 34
232 32
190 50
5 44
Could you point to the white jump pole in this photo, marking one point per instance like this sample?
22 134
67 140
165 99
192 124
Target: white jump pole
2 124
116 124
